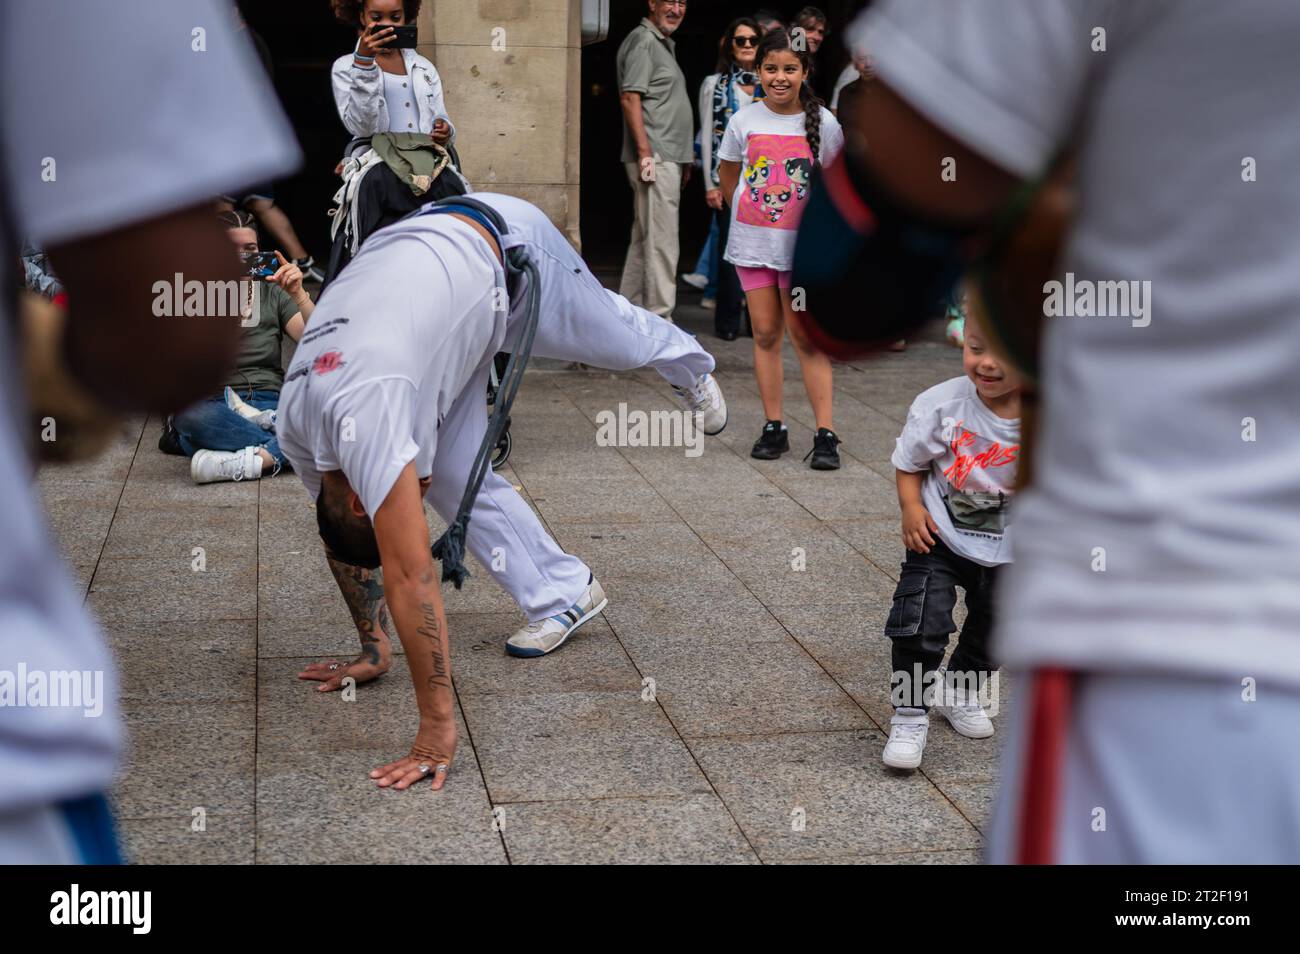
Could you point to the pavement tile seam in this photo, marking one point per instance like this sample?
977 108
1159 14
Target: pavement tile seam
685 520
669 719
751 390
775 734
257 666
139 439
478 766
890 571
739 793
900 855
563 799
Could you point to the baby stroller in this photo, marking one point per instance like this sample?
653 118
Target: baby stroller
377 198
502 452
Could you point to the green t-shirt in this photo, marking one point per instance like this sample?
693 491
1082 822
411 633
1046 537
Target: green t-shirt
258 367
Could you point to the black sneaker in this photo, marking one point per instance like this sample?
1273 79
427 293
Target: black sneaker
772 443
169 441
824 455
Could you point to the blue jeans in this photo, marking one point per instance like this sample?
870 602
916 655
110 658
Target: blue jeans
210 425
707 263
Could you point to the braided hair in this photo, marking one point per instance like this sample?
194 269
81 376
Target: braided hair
775 41
236 219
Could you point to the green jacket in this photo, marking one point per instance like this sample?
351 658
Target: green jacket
414 157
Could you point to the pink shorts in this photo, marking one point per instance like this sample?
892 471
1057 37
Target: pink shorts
755 278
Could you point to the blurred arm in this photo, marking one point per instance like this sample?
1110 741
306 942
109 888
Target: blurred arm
906 155
115 346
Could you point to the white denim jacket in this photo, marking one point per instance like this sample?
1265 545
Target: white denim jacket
359 95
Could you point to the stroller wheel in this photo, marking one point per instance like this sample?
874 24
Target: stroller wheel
502 451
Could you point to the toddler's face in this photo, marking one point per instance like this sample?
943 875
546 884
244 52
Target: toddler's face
993 379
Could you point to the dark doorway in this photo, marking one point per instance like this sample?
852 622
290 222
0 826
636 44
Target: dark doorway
303 41
606 198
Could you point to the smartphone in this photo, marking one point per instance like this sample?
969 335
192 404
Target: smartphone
404 37
262 264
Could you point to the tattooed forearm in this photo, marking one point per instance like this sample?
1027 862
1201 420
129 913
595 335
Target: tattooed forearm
431 630
363 591
382 627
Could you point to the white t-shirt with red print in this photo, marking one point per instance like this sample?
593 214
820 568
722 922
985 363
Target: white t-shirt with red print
969 457
776 167
393 342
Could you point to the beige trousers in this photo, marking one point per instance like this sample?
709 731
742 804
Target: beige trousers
650 272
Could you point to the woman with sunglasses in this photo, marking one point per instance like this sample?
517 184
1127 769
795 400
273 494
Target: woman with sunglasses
721 94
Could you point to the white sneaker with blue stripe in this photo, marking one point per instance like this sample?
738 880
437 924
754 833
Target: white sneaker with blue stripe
547 635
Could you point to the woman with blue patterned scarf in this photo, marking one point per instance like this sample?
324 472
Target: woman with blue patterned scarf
721 94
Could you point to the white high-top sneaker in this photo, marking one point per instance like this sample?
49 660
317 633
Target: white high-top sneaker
907 732
209 466
704 397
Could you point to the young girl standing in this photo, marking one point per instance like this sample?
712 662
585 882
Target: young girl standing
767 156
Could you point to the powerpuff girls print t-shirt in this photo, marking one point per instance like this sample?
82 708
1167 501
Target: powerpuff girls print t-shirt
776 166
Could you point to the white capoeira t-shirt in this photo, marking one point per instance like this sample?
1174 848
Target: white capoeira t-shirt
968 455
391 345
1162 525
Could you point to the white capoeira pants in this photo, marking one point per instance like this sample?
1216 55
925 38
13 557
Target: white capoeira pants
579 321
1149 768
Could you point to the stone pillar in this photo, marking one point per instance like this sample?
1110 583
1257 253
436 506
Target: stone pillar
511 71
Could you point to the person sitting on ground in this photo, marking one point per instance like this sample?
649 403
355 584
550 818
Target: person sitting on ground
231 435
261 203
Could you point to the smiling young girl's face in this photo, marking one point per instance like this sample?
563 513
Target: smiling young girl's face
782 75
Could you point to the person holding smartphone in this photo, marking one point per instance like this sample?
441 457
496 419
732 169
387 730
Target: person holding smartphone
384 85
231 435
